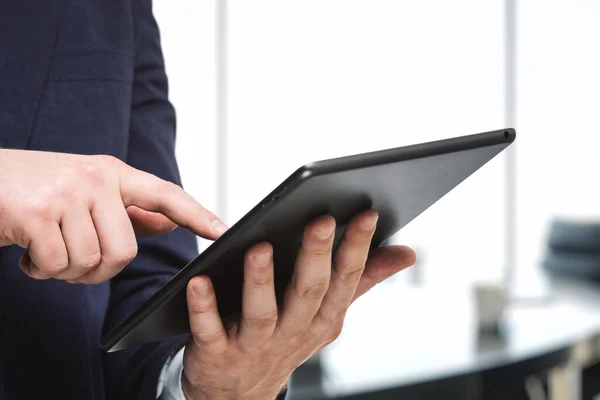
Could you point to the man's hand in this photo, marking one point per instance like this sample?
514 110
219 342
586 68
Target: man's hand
78 215
252 358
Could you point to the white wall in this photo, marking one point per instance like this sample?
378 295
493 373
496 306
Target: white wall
558 118
331 77
187 30
311 79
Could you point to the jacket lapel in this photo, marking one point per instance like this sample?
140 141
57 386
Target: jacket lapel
28 35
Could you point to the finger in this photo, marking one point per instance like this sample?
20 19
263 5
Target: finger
34 271
147 223
118 244
82 244
311 277
30 269
47 253
384 263
151 193
348 266
259 305
205 323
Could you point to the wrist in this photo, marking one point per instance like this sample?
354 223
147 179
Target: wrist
187 390
186 387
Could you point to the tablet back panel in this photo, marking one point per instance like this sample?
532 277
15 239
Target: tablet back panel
399 183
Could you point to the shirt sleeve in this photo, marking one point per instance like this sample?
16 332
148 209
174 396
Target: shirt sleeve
169 383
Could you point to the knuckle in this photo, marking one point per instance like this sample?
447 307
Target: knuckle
202 307
350 276
337 329
357 230
91 261
313 291
68 177
317 247
266 320
322 251
334 332
125 256
168 187
40 209
56 267
261 280
55 259
94 173
109 160
167 190
293 343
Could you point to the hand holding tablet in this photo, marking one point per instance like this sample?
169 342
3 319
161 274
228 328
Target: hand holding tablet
252 356
396 184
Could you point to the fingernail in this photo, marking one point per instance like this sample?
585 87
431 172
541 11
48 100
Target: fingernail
262 259
219 226
201 289
325 232
369 223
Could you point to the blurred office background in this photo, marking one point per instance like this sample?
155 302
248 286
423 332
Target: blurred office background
264 86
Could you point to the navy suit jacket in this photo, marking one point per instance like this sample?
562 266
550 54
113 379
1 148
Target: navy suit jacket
87 77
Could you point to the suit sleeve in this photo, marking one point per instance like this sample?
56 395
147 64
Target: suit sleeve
133 374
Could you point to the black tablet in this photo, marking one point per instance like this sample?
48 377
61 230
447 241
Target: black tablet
399 183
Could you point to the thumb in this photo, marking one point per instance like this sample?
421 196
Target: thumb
146 223
382 264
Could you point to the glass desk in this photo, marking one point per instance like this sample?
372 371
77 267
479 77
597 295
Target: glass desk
428 346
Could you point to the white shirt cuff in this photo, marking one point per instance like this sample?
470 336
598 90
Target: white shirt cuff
169 381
